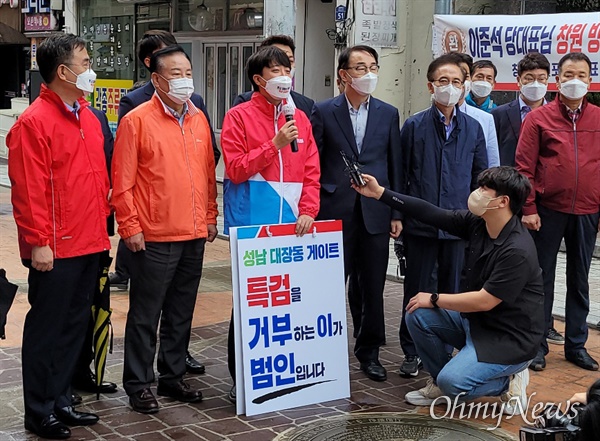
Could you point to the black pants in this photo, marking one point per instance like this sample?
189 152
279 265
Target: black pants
579 232
432 265
164 286
54 331
366 256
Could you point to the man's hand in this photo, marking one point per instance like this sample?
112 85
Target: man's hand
532 222
371 189
42 258
303 224
395 228
286 134
212 233
580 397
421 300
136 242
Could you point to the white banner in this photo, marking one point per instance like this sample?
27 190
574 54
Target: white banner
376 23
290 316
505 39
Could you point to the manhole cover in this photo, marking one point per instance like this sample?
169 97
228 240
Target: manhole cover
388 427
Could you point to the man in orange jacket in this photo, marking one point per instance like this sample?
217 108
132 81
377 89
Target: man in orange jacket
164 194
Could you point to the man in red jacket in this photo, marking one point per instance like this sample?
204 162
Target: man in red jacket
60 191
558 152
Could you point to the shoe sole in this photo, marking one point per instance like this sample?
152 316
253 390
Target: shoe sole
537 367
183 400
418 401
144 411
555 342
32 430
410 374
587 368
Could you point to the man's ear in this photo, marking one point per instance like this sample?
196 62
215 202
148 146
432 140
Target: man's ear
61 73
147 62
257 80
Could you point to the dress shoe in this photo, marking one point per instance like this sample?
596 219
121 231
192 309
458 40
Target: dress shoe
143 401
69 416
48 427
180 391
374 370
232 394
87 383
583 360
76 399
538 363
117 282
192 365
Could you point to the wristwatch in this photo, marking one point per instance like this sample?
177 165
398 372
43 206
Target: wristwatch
434 298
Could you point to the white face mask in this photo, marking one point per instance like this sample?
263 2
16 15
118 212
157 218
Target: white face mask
478 202
279 87
534 91
180 89
366 84
481 89
574 89
447 95
85 80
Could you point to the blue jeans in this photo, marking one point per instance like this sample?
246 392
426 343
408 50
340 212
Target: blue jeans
432 330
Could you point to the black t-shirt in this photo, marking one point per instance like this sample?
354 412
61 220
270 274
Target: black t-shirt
507 267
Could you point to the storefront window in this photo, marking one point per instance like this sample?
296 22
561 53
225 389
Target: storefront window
219 15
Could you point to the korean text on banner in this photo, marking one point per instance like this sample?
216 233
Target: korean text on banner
290 317
505 39
376 23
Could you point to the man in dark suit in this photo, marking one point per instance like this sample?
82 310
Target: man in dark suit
532 77
368 130
83 378
286 44
151 42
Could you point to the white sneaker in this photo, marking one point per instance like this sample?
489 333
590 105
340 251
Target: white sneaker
425 396
515 398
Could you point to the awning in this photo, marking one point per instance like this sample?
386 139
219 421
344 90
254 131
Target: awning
10 35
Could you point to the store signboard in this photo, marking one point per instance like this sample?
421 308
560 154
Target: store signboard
107 97
36 7
12 3
39 22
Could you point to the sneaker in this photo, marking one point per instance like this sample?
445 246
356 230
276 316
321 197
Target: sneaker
538 363
555 337
425 396
410 366
117 282
515 398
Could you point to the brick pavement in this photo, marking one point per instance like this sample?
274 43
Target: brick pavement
214 418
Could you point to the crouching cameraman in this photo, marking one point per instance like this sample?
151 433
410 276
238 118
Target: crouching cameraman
589 416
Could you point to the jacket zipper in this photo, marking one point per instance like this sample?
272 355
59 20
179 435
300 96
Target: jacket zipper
281 187
576 166
187 160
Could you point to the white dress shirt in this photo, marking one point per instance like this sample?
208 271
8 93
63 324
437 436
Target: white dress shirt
486 121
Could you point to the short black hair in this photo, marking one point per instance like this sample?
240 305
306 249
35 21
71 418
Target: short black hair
344 57
444 60
532 61
574 56
482 64
507 181
55 50
152 40
284 40
267 56
155 59
463 58
589 416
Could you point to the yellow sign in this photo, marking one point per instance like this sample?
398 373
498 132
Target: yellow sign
108 94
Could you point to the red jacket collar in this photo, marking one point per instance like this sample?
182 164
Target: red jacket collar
563 108
52 97
263 105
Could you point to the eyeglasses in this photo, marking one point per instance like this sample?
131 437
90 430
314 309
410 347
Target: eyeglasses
86 64
445 81
530 79
362 69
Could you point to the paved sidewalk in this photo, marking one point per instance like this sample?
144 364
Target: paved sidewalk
214 418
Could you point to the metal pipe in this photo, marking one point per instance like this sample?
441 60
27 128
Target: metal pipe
443 6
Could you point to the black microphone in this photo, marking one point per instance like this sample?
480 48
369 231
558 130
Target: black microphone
288 111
